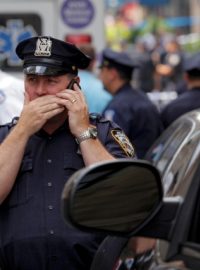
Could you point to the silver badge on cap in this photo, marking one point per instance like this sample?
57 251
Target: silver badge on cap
43 47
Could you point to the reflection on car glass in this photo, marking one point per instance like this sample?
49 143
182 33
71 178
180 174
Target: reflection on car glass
156 152
165 148
178 176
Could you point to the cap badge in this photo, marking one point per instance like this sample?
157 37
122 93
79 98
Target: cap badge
105 63
43 47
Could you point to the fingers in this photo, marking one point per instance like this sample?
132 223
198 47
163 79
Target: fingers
74 100
80 93
46 101
76 87
71 97
49 113
38 112
42 105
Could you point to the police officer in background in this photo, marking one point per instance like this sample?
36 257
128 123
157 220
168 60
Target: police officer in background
53 137
190 99
130 109
96 96
170 65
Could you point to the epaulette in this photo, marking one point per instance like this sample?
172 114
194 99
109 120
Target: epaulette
98 118
94 116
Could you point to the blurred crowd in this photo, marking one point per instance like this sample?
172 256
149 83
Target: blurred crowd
161 61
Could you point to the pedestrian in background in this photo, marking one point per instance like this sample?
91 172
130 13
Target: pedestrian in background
11 97
169 67
144 75
131 109
190 99
96 96
53 138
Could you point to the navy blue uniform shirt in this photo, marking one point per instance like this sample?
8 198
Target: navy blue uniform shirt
187 101
33 234
137 116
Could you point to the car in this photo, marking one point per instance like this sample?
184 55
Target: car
104 198
176 153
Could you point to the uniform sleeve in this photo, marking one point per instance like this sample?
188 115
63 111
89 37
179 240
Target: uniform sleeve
115 140
4 130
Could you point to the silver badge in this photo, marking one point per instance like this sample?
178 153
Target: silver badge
43 47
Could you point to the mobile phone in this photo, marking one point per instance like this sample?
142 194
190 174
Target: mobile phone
71 84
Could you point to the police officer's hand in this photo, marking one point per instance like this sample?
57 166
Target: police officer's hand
77 109
35 113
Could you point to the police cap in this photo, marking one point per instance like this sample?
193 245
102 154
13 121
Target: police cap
45 55
119 60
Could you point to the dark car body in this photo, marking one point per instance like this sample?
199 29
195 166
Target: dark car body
176 221
176 153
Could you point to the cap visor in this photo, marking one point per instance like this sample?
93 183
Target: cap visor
42 70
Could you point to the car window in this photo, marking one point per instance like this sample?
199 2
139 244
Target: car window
165 147
178 176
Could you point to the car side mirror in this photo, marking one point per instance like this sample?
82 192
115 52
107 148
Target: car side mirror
118 196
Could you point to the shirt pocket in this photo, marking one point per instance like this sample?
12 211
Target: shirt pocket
21 192
72 163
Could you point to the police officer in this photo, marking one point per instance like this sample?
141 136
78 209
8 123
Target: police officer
190 99
53 137
129 108
170 65
96 96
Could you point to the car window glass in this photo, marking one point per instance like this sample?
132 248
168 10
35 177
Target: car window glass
163 150
179 175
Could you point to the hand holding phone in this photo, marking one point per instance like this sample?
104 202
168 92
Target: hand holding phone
71 84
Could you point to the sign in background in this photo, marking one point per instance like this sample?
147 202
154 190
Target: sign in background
20 19
82 20
13 29
63 19
77 13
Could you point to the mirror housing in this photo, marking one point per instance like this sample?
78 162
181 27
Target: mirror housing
117 197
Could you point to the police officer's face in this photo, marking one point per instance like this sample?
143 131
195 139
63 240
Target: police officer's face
106 77
37 86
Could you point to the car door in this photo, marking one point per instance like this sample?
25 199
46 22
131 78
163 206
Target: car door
177 156
185 237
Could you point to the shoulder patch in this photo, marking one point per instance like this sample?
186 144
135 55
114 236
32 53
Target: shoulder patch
123 141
